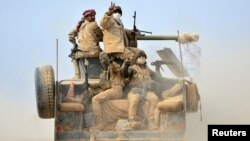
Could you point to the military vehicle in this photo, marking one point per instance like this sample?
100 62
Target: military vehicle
67 101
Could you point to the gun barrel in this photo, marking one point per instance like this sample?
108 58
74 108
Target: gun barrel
145 31
175 38
158 63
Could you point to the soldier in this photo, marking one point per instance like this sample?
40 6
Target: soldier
89 35
114 74
115 37
104 83
141 84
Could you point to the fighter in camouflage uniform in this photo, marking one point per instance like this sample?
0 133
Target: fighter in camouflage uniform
89 35
141 84
114 76
115 37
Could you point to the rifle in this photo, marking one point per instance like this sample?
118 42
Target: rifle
85 95
73 51
86 63
157 65
135 30
84 66
143 95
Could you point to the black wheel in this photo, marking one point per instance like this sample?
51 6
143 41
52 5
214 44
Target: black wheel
45 91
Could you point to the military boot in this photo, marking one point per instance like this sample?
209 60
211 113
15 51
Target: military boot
98 124
151 124
135 123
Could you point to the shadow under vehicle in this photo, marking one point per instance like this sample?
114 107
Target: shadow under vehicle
73 119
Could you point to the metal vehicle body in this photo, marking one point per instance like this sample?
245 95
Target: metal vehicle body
73 120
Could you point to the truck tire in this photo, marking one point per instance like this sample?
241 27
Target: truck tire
45 91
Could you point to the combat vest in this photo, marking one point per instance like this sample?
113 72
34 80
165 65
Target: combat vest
141 77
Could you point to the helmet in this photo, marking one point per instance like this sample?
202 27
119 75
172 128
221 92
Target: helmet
118 9
140 53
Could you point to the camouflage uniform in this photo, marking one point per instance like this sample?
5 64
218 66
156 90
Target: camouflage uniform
73 35
141 82
115 37
114 75
88 40
88 36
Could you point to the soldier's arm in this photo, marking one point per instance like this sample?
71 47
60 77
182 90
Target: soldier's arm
105 21
124 68
114 67
72 36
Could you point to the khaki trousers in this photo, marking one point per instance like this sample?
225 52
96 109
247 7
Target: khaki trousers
134 100
113 93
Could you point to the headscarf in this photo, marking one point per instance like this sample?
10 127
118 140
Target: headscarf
79 24
88 12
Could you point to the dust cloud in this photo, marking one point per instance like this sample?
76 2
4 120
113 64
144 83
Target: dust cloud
224 90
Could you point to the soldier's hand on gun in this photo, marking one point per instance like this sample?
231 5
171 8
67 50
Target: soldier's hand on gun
137 32
136 29
111 9
131 71
127 62
111 59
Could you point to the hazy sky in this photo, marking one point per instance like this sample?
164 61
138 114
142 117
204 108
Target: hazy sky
29 30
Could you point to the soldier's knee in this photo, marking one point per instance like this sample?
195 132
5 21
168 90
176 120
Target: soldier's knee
152 97
95 99
155 98
133 99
